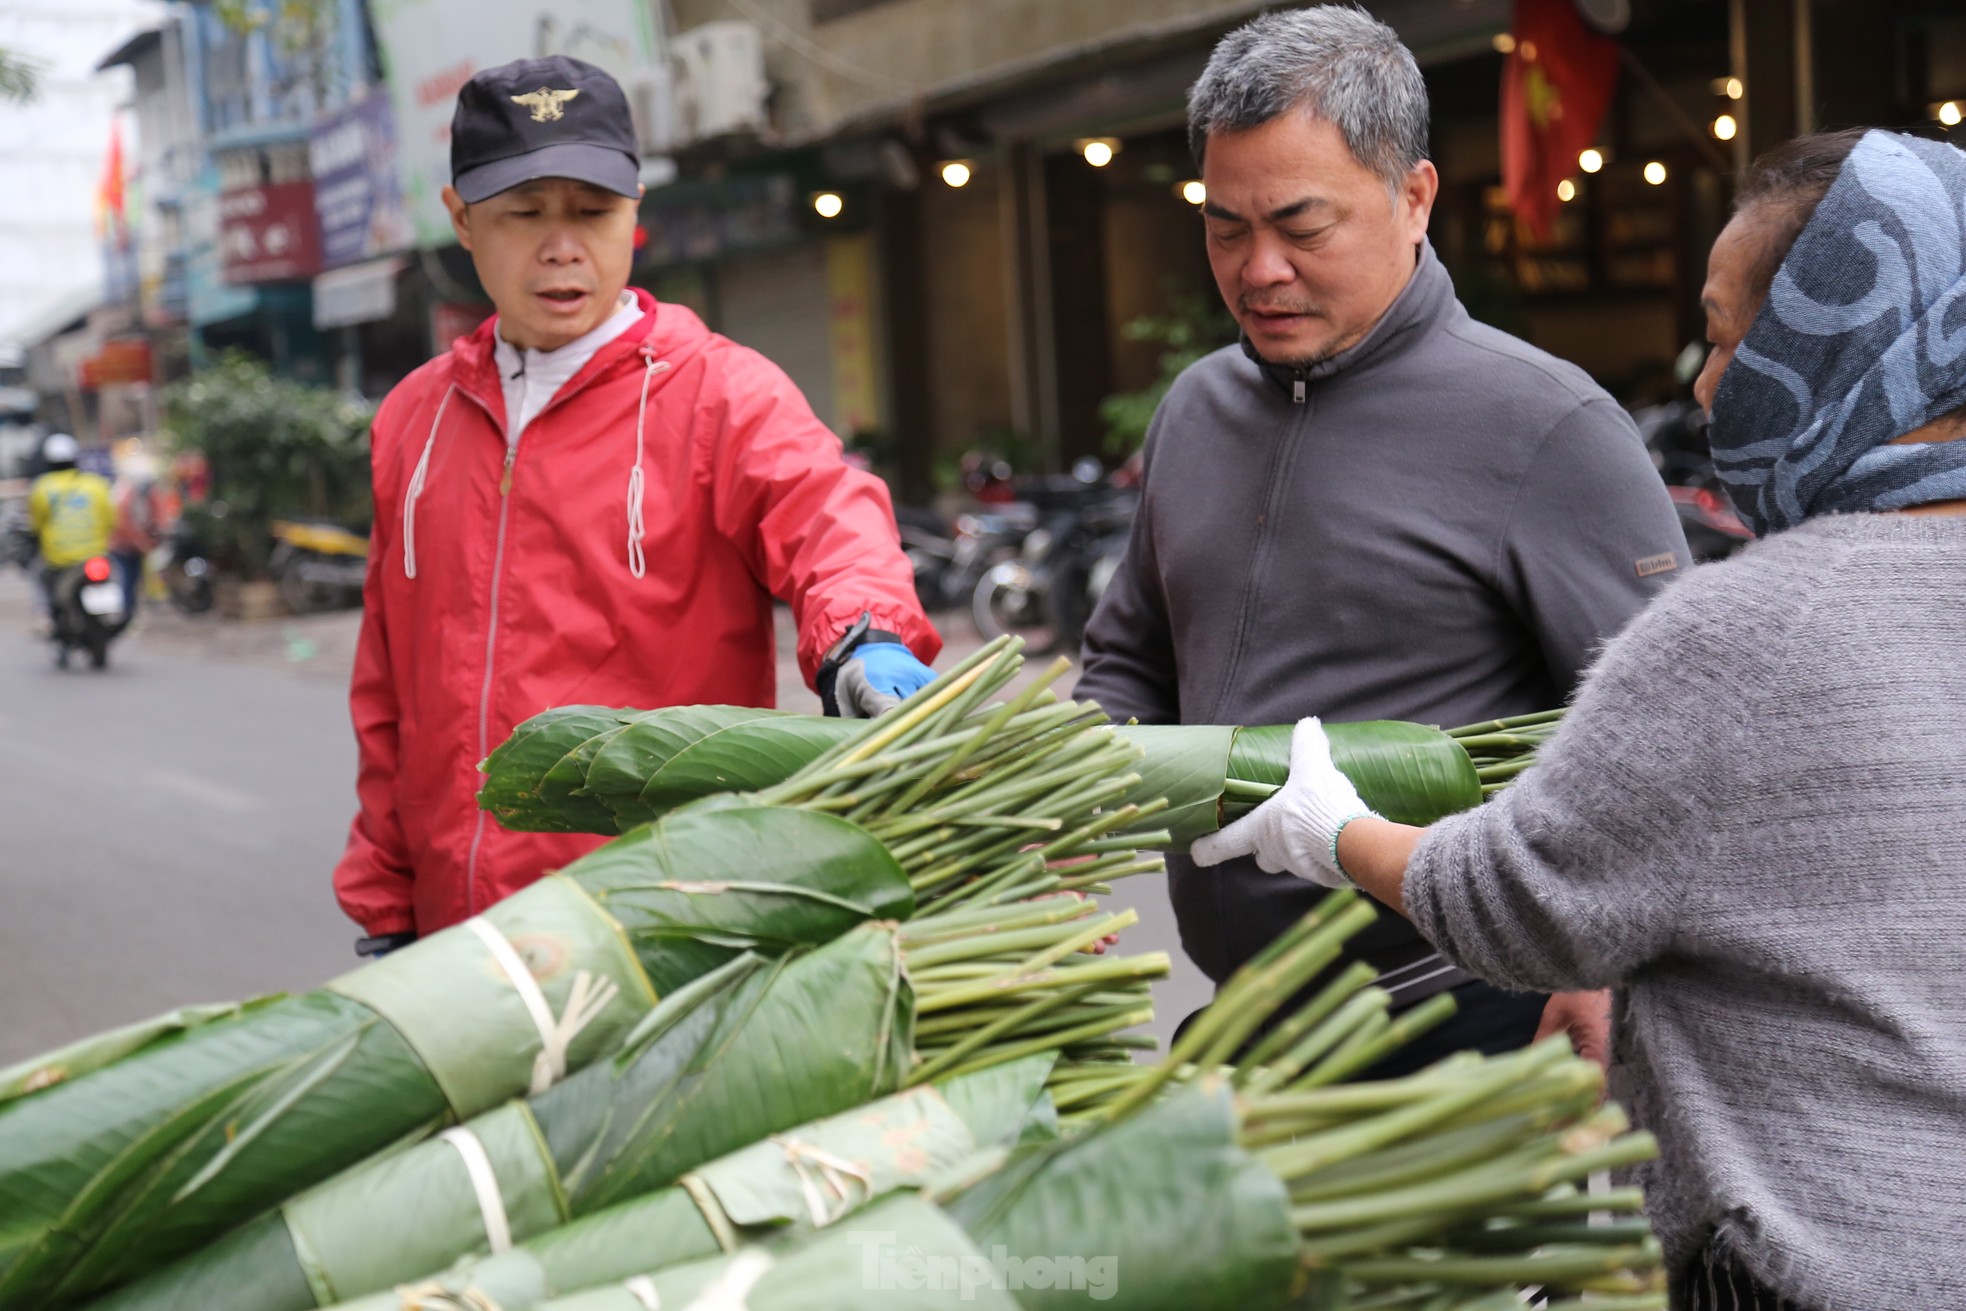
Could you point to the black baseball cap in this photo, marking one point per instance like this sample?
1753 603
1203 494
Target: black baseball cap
542 118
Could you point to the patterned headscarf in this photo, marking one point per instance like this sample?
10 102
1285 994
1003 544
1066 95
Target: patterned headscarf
1862 339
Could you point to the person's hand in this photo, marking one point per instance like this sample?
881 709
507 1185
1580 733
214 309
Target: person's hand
1586 1018
383 943
877 677
1295 831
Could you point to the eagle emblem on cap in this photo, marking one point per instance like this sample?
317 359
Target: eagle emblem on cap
546 104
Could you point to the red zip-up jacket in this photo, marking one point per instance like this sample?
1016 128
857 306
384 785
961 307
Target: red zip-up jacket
625 553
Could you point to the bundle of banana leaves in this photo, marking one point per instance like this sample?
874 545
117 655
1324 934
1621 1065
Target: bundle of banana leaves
123 1153
1262 1187
758 1047
596 770
800 1180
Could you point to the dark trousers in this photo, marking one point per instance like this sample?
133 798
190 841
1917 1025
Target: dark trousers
129 572
1715 1283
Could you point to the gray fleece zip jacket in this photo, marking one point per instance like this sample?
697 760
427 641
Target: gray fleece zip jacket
1753 823
1440 524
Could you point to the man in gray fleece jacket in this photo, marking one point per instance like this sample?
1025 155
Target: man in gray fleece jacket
1375 507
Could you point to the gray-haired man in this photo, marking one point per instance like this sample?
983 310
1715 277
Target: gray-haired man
1374 507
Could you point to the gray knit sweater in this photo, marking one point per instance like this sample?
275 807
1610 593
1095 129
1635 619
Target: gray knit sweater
1753 824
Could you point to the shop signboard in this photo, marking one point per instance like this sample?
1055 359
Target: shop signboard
357 196
269 233
432 47
209 298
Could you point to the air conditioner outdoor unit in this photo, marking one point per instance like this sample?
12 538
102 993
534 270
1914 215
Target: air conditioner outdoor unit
718 73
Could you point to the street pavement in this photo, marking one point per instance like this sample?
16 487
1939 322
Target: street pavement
167 827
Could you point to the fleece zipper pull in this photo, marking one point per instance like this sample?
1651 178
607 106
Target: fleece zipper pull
505 478
1296 386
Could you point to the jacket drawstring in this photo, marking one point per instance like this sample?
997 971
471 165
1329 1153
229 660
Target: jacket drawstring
416 487
637 563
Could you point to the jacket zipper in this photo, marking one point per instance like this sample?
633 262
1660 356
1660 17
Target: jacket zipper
1280 464
1297 382
491 650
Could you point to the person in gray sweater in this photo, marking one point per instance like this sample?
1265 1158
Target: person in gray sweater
1374 507
1752 822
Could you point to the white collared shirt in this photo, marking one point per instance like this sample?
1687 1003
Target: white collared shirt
532 378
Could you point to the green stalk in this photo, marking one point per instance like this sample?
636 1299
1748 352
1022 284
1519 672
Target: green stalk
1353 977
989 1033
1321 1151
1052 1042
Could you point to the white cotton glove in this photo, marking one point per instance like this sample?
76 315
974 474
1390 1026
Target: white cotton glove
1295 831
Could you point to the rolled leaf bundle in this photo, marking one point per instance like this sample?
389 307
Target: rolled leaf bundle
1190 1204
756 1048
796 1181
586 769
153 1154
1270 1187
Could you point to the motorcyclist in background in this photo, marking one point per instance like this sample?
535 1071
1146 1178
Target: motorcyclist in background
69 510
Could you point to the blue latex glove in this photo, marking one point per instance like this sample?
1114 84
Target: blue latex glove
877 677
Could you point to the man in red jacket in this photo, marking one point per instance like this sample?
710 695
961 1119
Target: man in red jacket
591 499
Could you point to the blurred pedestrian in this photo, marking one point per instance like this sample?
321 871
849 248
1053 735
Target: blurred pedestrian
139 525
592 498
1372 507
1751 823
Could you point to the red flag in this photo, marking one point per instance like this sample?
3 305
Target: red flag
1556 85
111 222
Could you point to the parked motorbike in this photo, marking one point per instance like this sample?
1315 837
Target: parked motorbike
949 558
1676 435
185 568
319 566
88 610
1047 591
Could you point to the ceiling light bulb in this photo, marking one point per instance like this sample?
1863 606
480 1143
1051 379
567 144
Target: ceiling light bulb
1098 154
956 173
1591 160
1503 43
1950 113
1725 128
1655 173
1566 191
1194 192
828 204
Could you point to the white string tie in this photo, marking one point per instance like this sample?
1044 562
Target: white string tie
835 1174
729 1290
491 1203
417 479
642 1289
586 1000
637 562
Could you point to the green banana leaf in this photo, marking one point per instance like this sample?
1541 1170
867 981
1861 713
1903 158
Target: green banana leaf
820 1172
113 1174
1410 773
1161 1209
91 1054
722 876
902 1255
553 746
628 767
756 1048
